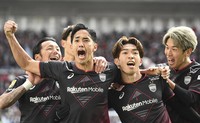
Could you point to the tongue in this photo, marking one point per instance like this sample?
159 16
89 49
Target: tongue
81 56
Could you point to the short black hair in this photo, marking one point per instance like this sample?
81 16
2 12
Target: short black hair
66 32
81 26
37 47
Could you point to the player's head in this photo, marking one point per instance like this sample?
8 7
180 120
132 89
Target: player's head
79 27
47 49
66 42
179 43
83 43
182 36
119 45
128 54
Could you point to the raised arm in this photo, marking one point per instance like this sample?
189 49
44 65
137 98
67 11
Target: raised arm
20 55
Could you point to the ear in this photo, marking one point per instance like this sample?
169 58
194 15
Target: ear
37 57
116 61
63 43
188 52
140 61
95 46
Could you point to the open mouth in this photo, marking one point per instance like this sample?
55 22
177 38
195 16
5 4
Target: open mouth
131 64
54 58
171 61
81 53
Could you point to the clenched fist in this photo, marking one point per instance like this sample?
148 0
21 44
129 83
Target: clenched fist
10 27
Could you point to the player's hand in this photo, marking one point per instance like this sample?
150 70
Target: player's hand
33 78
165 72
10 27
116 86
151 71
100 64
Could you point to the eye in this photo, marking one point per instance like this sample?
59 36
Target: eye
135 52
86 40
124 52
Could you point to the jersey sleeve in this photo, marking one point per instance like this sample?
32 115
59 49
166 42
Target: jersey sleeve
16 83
192 94
167 92
51 69
186 96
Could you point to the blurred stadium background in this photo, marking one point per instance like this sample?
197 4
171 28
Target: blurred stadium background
147 20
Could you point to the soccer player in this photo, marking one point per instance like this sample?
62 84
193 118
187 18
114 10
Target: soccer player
83 89
40 102
141 98
179 43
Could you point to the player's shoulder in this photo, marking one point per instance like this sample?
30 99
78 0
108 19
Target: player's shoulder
21 78
153 78
195 68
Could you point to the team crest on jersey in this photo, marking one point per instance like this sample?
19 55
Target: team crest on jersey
102 77
70 76
121 95
152 87
187 79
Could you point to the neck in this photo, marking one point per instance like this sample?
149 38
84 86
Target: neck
131 78
87 66
68 57
184 64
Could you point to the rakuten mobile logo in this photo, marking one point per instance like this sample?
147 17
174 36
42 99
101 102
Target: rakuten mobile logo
82 90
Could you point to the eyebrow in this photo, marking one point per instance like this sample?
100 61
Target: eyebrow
172 46
131 49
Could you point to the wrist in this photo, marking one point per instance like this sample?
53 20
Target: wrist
27 85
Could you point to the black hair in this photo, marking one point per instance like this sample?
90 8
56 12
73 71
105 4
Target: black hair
66 32
80 26
37 47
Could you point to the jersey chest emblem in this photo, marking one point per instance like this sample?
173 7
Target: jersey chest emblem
187 79
152 87
102 77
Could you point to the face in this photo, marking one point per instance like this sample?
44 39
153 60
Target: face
66 44
176 58
83 47
129 59
49 51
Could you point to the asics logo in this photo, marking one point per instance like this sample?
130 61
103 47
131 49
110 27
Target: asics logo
70 76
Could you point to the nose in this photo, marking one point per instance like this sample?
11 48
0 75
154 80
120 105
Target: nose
56 51
80 44
130 56
168 52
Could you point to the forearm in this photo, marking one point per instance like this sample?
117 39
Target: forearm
183 110
186 96
8 99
